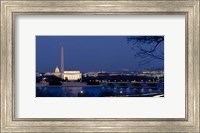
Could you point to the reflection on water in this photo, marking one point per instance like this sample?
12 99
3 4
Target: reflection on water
96 92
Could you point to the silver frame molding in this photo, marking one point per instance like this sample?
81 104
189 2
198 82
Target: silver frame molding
11 8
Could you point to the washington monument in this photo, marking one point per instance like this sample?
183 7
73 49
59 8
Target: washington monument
62 63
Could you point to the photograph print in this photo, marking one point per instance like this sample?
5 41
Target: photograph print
99 66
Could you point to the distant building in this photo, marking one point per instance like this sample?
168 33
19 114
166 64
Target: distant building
57 72
114 74
91 74
103 74
69 75
152 73
47 73
38 74
72 75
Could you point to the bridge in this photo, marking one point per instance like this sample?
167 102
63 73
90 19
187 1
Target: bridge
133 84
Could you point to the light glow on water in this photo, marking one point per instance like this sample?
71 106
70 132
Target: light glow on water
95 92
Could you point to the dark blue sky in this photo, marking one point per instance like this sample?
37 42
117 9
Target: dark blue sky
89 53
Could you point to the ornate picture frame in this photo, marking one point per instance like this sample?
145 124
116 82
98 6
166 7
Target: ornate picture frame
10 9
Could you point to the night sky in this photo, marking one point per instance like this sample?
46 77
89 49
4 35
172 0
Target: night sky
90 53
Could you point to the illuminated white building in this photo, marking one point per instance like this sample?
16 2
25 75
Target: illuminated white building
152 73
47 73
69 75
57 72
72 75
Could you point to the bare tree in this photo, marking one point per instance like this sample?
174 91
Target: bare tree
147 47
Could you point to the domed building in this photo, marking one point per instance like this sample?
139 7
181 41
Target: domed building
57 72
69 75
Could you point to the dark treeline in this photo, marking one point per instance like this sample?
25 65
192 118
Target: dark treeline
98 79
53 80
120 78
